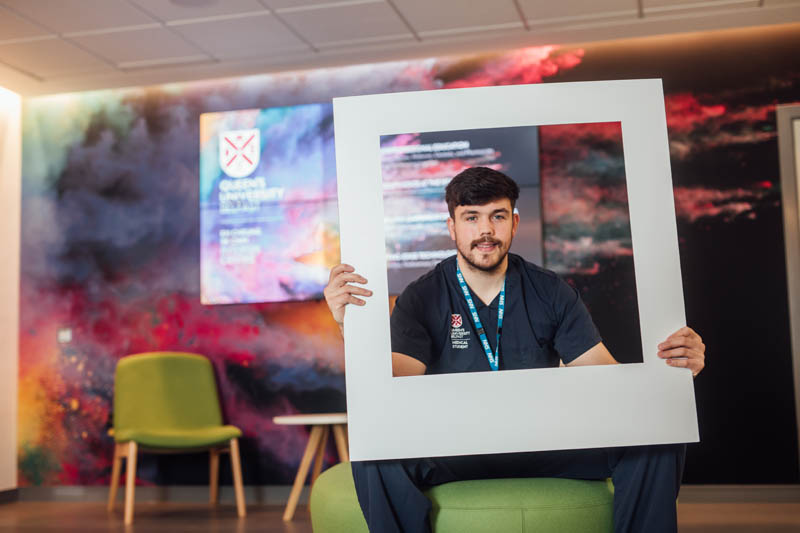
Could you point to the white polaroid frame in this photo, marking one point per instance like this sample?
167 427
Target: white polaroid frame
522 410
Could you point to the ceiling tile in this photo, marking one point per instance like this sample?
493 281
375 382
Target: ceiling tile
49 58
346 23
538 10
424 15
138 45
64 16
169 11
15 27
242 37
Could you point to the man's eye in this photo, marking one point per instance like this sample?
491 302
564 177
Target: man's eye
500 217
471 218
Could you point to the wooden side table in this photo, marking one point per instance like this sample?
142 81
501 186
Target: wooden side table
315 449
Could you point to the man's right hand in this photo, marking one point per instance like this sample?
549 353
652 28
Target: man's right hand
339 292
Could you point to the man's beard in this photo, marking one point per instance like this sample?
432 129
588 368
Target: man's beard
485 268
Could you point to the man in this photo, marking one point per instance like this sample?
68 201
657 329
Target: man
524 317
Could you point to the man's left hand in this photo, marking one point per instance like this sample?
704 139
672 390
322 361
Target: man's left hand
685 349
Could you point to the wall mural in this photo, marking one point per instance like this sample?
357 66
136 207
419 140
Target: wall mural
110 251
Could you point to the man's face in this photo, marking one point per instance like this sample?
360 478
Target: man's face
483 233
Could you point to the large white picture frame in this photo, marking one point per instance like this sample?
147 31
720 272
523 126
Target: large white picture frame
522 410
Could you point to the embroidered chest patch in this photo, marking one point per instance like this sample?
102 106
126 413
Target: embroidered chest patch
459 335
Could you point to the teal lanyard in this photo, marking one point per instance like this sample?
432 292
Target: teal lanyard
494 358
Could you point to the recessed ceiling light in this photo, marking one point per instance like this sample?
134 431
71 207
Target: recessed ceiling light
194 3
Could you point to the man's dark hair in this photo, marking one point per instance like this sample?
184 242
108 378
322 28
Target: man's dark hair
479 186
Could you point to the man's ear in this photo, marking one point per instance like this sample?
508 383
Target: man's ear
514 224
451 227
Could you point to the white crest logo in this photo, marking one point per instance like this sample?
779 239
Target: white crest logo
239 152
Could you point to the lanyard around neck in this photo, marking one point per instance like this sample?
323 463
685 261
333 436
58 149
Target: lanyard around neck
494 358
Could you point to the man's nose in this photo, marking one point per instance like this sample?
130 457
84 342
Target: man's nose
486 227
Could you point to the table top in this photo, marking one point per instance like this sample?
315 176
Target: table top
315 419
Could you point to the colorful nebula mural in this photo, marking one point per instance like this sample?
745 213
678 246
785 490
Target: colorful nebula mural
111 251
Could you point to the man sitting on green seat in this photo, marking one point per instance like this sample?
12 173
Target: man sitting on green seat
486 309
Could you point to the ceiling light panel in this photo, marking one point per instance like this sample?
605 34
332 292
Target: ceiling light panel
347 23
64 16
246 36
171 11
653 7
281 4
138 45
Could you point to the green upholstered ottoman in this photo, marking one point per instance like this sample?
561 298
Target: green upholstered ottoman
483 506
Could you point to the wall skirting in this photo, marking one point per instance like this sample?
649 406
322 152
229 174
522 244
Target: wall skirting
259 495
279 494
740 493
8 496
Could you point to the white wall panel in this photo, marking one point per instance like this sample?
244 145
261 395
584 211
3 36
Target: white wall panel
10 198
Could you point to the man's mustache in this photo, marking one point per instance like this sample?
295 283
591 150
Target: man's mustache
485 240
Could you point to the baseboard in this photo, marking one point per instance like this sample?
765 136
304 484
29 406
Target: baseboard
740 493
279 494
8 496
259 495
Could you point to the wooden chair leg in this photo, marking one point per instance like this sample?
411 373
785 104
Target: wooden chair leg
236 466
130 482
116 466
340 437
213 476
320 455
302 472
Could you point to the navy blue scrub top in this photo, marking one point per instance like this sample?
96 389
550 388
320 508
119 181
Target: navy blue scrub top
545 319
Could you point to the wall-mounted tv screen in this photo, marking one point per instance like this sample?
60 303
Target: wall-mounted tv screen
268 220
268 210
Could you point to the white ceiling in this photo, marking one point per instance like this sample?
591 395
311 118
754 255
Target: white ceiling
50 46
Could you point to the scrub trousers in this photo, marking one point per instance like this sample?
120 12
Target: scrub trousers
646 483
